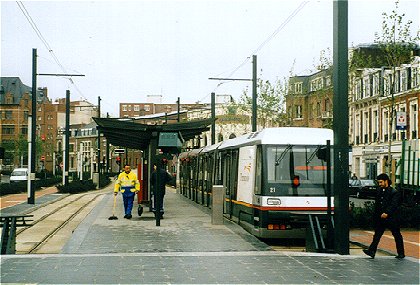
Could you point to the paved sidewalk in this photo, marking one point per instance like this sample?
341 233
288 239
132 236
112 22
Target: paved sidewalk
188 249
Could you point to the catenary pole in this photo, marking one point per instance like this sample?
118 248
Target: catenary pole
31 190
67 140
340 126
254 93
213 116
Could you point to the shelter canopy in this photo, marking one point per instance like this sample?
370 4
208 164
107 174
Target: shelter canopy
128 133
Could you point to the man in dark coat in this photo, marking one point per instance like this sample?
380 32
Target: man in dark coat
162 177
386 215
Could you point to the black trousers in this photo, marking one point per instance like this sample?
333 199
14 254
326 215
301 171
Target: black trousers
380 228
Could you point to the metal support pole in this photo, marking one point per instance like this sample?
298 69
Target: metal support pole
330 229
107 152
29 160
178 103
254 93
99 145
31 197
67 140
341 125
213 117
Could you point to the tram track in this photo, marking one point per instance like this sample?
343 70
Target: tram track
54 223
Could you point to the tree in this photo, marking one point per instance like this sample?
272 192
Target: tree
270 102
396 45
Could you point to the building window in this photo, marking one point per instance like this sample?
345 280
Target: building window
8 130
136 108
414 117
318 109
124 108
298 112
71 147
415 77
328 81
9 115
129 108
376 85
220 137
298 87
24 130
404 81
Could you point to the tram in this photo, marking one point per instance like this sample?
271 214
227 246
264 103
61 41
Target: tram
273 179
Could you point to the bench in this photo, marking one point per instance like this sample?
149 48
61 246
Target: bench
9 224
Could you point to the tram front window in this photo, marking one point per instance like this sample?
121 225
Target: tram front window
288 164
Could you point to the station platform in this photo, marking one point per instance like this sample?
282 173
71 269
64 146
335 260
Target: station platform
187 249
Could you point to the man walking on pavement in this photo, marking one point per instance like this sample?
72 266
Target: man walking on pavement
386 215
128 184
159 176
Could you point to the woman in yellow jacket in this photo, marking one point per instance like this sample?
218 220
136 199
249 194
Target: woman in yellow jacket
128 184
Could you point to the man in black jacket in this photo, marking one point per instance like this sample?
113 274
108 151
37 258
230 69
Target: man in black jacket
160 177
387 206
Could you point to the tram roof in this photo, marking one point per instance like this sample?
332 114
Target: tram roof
131 134
282 136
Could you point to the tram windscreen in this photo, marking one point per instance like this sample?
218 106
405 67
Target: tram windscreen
295 170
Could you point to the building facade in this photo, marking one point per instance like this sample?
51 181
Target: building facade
382 117
309 100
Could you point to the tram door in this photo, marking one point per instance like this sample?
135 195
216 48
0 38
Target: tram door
230 168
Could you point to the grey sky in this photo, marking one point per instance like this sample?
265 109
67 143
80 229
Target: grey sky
130 49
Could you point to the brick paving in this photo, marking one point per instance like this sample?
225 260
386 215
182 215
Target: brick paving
188 249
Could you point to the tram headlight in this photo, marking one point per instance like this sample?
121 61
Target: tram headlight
273 201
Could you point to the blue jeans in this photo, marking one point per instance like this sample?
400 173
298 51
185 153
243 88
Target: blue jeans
128 198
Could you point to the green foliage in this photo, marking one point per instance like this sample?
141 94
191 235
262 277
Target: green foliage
21 187
77 186
362 217
104 181
270 102
395 41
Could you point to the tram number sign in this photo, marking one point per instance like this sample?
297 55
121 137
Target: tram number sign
119 150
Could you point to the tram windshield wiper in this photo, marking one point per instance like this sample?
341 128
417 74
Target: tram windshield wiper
283 154
312 155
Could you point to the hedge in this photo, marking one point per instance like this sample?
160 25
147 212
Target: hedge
362 217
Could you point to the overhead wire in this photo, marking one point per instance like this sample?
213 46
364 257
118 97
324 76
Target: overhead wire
47 46
267 40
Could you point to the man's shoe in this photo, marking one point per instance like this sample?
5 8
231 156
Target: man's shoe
400 256
129 216
368 252
125 216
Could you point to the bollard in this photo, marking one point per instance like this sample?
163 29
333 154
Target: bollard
217 205
96 179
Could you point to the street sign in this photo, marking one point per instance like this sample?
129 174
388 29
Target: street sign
401 120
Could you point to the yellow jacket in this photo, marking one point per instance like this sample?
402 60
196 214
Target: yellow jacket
127 182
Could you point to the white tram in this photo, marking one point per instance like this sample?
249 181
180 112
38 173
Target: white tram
273 179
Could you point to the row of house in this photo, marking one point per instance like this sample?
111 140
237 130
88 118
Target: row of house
373 133
383 112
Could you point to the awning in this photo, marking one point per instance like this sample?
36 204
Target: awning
128 133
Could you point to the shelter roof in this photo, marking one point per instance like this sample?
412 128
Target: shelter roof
131 134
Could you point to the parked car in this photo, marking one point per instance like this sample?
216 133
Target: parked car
18 175
363 188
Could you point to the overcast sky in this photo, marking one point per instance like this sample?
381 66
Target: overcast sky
130 49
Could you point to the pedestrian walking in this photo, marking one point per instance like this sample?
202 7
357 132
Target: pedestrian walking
158 189
128 184
386 215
